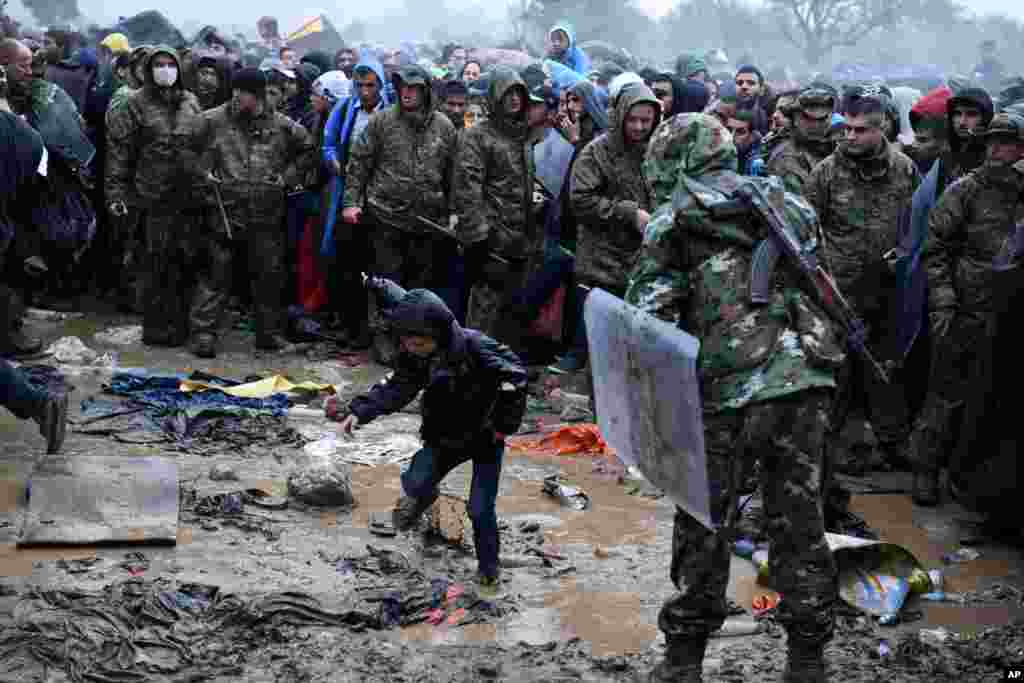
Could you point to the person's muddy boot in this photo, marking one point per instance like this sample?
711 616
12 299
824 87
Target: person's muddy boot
203 346
408 511
683 663
53 419
926 487
805 664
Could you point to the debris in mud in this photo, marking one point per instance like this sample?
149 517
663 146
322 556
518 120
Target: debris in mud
126 335
569 496
135 564
80 566
961 555
321 480
229 509
221 472
449 520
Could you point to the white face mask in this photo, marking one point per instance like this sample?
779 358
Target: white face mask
165 76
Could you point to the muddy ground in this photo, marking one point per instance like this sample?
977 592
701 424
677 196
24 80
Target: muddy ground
589 613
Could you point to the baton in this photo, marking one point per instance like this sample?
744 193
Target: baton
448 233
223 213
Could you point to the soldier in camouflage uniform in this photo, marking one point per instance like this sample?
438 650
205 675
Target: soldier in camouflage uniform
860 193
492 196
151 167
398 171
255 155
767 374
809 142
967 228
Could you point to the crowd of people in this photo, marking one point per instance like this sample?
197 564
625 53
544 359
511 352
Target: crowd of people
183 187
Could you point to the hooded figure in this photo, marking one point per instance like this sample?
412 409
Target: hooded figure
766 371
492 189
966 153
692 66
572 56
213 86
609 196
398 168
687 96
474 393
152 164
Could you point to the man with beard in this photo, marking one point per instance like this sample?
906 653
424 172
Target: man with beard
611 204
212 82
764 395
153 167
398 172
751 96
928 119
794 159
968 111
746 139
862 193
967 228
492 189
255 154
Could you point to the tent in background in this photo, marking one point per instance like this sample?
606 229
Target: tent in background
315 34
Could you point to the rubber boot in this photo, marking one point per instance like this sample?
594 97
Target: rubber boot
684 661
52 419
805 663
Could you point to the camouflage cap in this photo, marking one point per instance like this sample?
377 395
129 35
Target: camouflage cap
1005 124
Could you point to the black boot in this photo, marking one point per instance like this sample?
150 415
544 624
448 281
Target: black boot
806 663
684 661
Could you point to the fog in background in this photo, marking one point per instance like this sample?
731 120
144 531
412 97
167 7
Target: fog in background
943 32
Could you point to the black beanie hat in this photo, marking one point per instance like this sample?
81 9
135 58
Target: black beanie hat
751 69
250 80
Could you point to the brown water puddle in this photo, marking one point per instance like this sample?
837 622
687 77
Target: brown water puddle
375 489
609 621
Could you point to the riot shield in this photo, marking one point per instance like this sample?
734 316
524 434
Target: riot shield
648 399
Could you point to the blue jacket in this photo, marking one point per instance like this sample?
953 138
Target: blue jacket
337 138
573 57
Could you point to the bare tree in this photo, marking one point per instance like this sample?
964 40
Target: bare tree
818 26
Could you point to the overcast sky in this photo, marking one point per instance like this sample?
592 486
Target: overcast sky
291 14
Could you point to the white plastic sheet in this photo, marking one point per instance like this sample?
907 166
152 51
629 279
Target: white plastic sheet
648 399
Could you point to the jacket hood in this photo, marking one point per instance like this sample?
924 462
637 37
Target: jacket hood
173 54
573 57
367 60
691 145
414 74
595 103
630 97
568 30
320 60
502 80
421 312
974 97
224 69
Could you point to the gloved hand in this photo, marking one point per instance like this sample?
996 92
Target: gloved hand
941 322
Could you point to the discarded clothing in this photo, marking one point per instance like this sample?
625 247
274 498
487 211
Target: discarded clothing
580 439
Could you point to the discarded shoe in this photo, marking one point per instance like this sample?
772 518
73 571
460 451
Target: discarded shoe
53 421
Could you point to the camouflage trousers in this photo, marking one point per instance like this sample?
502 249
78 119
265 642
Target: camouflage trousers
937 430
263 246
787 436
495 302
168 234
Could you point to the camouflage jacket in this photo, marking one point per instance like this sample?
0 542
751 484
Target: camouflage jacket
399 168
860 203
118 99
492 184
256 158
793 161
693 270
607 188
151 157
967 228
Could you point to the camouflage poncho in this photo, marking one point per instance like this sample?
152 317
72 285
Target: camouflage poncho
694 270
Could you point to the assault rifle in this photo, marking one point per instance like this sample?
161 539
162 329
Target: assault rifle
781 241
